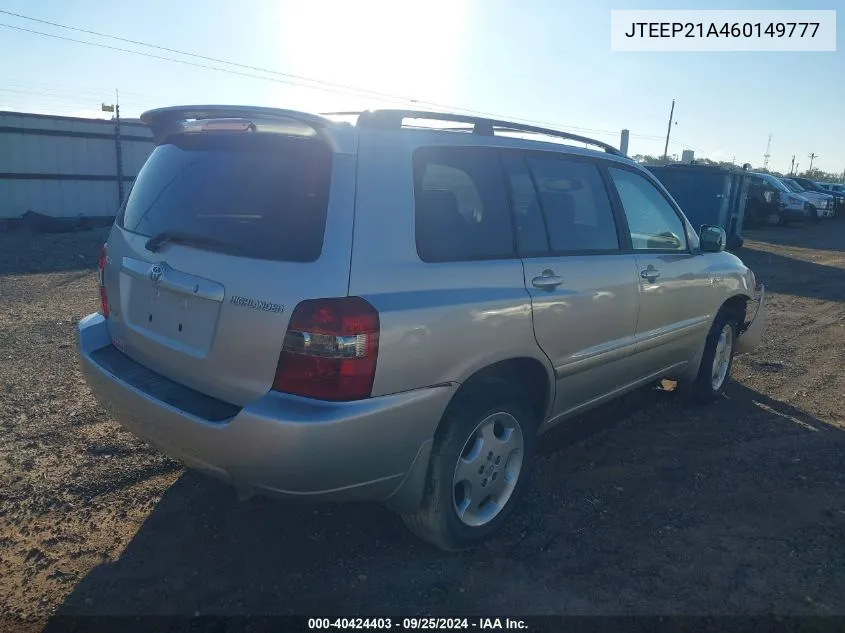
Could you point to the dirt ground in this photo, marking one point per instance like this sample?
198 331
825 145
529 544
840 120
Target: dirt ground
646 506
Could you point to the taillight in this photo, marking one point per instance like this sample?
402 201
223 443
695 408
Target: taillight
330 350
101 274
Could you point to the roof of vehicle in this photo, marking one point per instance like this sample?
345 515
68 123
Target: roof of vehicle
166 121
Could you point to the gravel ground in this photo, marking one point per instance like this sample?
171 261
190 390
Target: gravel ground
645 506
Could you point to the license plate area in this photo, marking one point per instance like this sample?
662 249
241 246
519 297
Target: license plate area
171 318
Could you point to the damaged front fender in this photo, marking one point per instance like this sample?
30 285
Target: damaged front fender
751 333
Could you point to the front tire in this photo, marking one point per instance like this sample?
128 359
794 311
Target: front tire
717 360
480 466
774 218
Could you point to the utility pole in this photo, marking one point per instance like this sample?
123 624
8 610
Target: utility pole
767 154
668 131
812 156
796 169
118 148
792 166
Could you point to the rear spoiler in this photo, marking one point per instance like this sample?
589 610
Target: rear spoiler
165 122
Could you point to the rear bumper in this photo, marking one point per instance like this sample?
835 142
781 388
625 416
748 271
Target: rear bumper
374 449
752 333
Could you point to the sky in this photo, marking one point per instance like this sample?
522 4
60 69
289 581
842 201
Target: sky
546 61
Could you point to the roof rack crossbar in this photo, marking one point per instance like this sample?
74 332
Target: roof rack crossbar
392 119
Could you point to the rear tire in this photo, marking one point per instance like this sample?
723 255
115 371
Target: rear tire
479 469
717 360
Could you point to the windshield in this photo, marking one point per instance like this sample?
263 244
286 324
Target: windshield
792 185
261 195
774 182
809 185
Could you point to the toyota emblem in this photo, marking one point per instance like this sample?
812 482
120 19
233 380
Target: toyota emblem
156 271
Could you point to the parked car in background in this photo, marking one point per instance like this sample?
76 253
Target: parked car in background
831 187
823 203
771 202
811 185
838 193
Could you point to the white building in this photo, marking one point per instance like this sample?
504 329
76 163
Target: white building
65 166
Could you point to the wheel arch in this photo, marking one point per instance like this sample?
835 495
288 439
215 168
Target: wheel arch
526 371
737 305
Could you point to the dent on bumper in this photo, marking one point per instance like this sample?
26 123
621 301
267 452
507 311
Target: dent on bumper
752 334
281 444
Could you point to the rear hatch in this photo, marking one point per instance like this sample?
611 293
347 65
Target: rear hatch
229 225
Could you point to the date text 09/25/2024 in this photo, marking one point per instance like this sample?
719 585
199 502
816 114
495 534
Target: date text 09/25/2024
418 624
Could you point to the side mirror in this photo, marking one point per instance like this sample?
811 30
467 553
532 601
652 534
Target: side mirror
712 238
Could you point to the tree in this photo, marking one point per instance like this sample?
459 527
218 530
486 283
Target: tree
821 176
817 174
647 159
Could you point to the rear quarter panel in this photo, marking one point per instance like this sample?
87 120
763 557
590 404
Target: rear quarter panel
440 322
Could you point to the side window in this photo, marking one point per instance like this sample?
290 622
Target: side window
461 205
653 223
531 235
575 205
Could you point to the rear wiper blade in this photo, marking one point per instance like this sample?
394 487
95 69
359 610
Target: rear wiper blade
156 242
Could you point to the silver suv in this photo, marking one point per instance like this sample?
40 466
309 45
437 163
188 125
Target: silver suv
396 309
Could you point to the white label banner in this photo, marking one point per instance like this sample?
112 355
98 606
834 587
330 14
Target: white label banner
723 30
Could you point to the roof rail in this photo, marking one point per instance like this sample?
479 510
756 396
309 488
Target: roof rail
392 119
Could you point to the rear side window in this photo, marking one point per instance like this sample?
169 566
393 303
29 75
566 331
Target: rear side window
256 196
531 237
461 205
575 204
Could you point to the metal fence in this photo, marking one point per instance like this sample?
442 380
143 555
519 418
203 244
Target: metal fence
66 167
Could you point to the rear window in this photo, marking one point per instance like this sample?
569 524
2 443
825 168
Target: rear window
256 196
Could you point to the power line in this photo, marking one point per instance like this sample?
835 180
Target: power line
50 94
169 59
206 58
292 79
95 91
45 99
278 73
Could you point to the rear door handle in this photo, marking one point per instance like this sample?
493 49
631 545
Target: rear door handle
650 273
547 281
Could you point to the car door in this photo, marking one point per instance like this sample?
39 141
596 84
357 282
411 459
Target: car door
583 288
675 286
